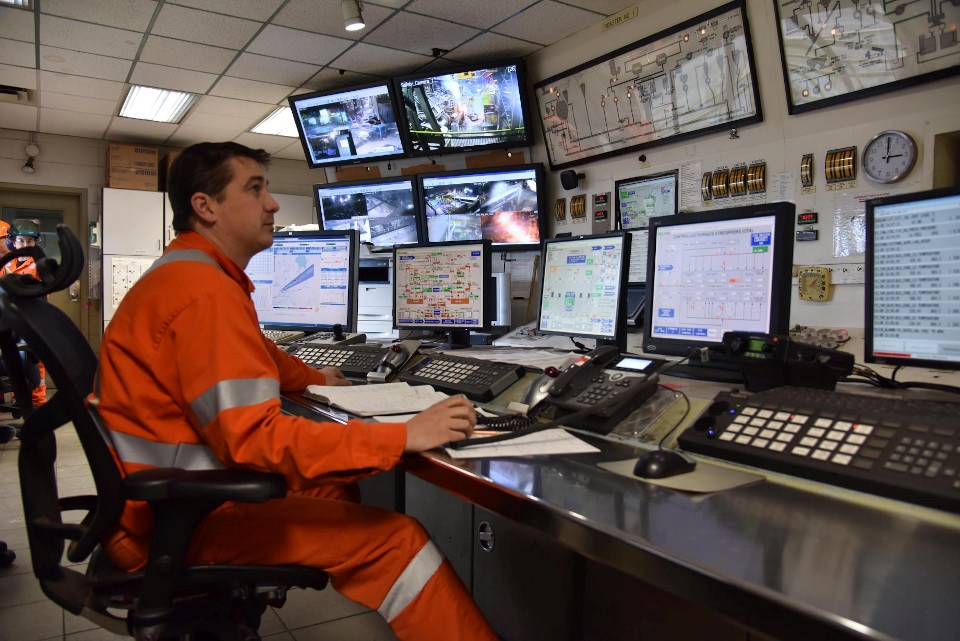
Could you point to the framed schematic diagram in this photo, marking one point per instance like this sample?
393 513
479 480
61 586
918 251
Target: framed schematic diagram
843 50
689 80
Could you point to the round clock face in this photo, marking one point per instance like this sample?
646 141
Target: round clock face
889 156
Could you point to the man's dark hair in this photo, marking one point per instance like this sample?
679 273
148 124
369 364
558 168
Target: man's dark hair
203 168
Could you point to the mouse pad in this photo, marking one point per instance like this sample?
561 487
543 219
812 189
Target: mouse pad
704 478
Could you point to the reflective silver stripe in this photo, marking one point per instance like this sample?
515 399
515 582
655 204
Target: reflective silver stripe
187 456
184 255
236 392
411 581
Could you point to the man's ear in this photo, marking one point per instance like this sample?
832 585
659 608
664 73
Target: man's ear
205 207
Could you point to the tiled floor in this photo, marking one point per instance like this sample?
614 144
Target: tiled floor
27 615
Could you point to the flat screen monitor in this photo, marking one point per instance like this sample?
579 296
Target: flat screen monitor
382 210
912 279
500 204
444 287
469 109
717 271
583 287
307 281
348 125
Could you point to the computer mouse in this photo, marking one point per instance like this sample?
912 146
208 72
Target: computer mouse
661 464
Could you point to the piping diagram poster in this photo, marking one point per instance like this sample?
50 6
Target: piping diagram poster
686 81
838 50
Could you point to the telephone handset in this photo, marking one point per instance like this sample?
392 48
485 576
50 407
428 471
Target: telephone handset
615 384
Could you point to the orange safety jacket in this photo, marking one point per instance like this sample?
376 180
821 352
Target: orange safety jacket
188 380
28 265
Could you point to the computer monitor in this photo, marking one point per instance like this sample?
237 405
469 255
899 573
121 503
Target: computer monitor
502 204
583 287
912 280
638 200
717 271
348 125
383 210
473 108
307 281
444 287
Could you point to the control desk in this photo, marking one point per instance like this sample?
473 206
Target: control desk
784 557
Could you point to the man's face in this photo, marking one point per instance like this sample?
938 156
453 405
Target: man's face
246 210
24 241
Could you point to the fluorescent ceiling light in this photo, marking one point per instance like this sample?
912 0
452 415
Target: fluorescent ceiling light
24 4
278 123
160 105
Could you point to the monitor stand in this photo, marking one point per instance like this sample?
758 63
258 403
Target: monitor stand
714 371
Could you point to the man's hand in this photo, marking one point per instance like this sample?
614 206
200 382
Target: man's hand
334 377
449 420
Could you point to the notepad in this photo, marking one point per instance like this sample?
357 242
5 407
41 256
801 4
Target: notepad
374 400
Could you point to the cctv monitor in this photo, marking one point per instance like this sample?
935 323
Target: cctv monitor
717 271
444 287
912 279
382 210
500 204
307 281
348 125
469 109
583 287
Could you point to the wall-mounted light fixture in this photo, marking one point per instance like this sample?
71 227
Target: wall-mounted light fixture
32 152
352 17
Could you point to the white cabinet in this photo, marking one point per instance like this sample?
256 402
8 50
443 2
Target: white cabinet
131 223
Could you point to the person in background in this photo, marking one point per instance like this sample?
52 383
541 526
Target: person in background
184 368
26 233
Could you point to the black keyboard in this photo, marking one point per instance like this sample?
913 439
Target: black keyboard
353 361
903 449
477 379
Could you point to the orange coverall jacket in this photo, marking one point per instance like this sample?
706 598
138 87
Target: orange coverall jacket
38 395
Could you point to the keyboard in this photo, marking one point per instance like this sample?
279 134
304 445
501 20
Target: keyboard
282 336
329 338
478 380
903 449
353 361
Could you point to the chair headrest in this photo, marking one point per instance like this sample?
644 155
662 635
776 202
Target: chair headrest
53 276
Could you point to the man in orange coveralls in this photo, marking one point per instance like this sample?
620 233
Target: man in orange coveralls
26 233
187 379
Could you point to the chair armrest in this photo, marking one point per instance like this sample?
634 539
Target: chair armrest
160 484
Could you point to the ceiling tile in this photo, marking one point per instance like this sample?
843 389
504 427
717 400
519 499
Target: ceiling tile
420 34
83 64
293 44
186 135
18 77
73 123
267 69
16 24
335 79
216 121
547 22
23 117
491 46
294 152
172 78
201 26
79 86
250 90
52 100
603 7
186 55
476 14
89 38
17 53
363 57
231 107
271 144
251 9
129 14
325 17
133 130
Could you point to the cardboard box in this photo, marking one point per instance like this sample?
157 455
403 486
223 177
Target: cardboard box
132 178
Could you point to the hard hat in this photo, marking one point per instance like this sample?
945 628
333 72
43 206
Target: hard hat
25 227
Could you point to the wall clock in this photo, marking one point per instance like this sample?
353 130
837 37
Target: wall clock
889 156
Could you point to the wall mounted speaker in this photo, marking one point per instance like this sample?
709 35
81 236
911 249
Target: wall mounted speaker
570 179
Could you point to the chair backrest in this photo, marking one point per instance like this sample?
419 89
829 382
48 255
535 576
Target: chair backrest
71 363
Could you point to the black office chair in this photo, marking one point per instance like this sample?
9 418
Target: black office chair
167 600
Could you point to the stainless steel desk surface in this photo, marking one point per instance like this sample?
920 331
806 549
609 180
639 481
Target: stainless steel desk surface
787 561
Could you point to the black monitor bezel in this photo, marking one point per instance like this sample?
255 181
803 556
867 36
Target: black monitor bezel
541 178
353 291
417 200
675 173
781 286
620 326
868 286
488 306
391 92
405 128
